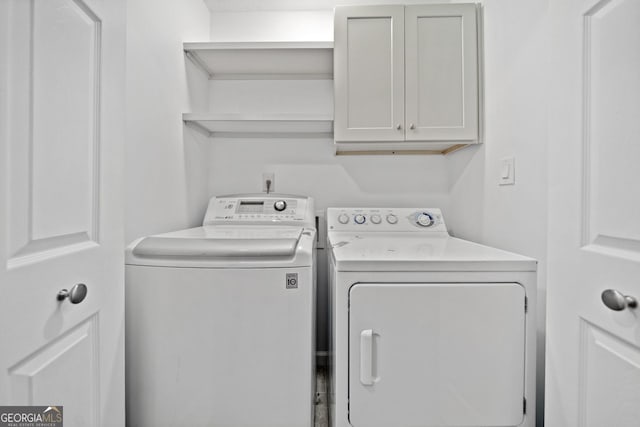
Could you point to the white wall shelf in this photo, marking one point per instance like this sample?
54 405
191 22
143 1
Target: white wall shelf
262 126
263 60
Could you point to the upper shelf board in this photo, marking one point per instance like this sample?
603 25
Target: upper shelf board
263 60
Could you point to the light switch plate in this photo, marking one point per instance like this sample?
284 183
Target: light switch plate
507 173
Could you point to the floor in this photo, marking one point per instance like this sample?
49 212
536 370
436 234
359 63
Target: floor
322 409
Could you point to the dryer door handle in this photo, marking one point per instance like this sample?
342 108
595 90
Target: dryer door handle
366 357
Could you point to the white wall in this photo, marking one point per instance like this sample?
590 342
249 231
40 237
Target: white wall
516 54
308 165
166 163
272 25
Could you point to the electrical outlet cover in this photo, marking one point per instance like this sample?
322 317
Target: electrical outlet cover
266 176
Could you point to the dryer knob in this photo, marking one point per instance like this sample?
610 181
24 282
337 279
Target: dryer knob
376 219
392 219
424 220
359 219
280 205
343 218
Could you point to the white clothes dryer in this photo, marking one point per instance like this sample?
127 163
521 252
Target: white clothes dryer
220 319
427 329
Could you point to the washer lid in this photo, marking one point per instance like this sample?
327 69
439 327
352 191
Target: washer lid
221 242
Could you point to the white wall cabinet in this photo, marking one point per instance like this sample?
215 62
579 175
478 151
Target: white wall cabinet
369 73
406 77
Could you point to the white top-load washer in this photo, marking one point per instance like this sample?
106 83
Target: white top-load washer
427 329
220 319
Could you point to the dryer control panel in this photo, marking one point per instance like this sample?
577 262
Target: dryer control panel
386 219
260 209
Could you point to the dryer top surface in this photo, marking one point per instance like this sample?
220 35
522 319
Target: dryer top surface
410 252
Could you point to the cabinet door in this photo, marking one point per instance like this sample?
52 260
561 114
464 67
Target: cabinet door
441 57
447 354
369 73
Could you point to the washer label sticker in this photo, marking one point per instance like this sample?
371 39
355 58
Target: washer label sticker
292 281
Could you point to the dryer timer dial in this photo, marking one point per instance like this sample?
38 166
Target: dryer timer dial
424 219
359 219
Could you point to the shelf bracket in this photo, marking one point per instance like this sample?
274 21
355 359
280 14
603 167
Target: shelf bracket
197 126
199 63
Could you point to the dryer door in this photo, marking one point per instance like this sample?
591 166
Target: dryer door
436 354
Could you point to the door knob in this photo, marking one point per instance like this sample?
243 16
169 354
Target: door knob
615 300
76 295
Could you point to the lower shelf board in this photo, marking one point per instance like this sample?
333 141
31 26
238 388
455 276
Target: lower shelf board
261 126
307 126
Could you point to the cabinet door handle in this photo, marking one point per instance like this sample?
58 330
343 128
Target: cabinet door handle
412 126
398 126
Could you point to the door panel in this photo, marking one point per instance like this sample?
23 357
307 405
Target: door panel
44 375
441 72
54 136
61 136
610 379
369 73
592 365
436 354
67 34
612 103
370 46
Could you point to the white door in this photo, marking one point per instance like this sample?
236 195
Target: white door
369 73
441 60
593 352
61 136
436 354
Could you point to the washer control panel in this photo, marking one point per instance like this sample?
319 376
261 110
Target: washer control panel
248 209
386 219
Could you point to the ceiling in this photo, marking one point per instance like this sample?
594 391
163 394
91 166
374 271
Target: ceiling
257 5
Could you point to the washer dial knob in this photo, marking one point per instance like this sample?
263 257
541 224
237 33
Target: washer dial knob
280 205
392 219
359 219
376 219
424 219
343 218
